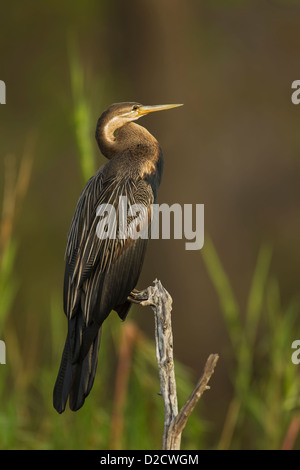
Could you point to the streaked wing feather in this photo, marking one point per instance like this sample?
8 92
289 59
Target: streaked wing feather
94 265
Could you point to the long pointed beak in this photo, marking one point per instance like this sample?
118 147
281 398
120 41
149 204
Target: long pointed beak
157 107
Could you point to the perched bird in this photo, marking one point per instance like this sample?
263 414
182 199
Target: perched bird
100 273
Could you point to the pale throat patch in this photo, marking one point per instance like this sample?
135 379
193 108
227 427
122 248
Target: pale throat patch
110 128
114 124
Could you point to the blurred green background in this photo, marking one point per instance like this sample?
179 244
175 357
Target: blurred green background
234 146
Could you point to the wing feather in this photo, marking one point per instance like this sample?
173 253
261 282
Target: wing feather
101 273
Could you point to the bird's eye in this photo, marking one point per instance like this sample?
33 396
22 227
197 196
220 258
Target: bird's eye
135 107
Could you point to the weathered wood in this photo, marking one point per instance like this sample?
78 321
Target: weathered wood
160 300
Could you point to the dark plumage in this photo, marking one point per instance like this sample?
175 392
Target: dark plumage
101 273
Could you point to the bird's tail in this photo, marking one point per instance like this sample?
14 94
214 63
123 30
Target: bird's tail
75 380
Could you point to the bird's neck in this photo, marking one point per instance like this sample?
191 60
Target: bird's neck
113 140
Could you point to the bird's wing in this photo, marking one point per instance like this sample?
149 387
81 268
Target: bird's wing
100 273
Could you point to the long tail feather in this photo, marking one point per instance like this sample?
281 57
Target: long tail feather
75 380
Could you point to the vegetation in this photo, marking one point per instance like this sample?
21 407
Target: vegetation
266 383
124 409
239 143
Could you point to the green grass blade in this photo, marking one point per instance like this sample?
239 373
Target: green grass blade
225 293
82 116
257 292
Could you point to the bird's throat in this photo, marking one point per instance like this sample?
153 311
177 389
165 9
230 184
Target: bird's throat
114 139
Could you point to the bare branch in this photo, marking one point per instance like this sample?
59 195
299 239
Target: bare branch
181 419
161 302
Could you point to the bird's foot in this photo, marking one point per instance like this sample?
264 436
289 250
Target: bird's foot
139 297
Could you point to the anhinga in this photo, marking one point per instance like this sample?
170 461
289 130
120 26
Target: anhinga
100 273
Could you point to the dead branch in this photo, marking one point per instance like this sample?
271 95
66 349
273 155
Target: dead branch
160 300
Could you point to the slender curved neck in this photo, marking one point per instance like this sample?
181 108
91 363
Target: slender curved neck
112 138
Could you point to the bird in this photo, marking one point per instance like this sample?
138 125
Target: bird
102 272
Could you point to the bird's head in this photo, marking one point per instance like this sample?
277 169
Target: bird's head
119 114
